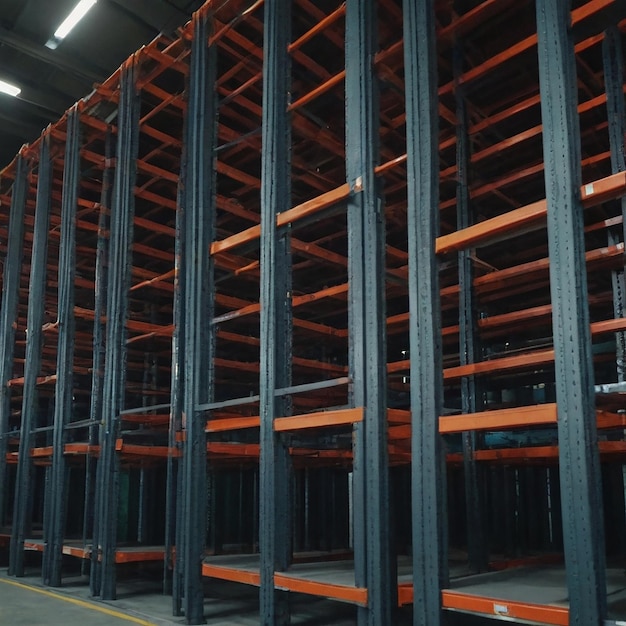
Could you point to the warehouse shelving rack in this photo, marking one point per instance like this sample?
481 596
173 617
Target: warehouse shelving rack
290 250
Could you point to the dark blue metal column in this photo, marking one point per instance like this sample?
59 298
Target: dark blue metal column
613 56
275 363
30 405
173 482
120 240
64 389
95 404
428 477
375 563
199 215
469 349
8 309
583 532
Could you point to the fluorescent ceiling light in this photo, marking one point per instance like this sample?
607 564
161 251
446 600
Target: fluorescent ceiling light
77 14
12 90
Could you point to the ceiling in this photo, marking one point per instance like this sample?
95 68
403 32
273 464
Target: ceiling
52 80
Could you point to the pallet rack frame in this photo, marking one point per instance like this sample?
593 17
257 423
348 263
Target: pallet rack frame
201 307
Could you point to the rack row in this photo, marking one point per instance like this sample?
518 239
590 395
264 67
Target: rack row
328 298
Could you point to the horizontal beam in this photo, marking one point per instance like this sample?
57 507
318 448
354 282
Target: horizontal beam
500 419
544 614
320 419
527 218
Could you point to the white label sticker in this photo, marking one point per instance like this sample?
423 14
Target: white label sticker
589 189
500 609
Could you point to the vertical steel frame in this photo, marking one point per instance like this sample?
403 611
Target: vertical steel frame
583 530
275 331
199 216
8 310
468 332
95 404
121 236
374 562
613 58
63 404
36 305
428 477
173 482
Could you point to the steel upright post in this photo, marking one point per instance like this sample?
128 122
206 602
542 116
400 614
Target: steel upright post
199 215
581 493
275 354
375 565
30 405
427 470
613 57
173 483
468 332
613 61
120 239
95 404
8 309
64 390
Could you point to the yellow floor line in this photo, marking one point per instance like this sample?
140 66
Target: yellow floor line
86 605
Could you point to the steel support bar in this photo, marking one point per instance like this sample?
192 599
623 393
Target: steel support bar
276 337
171 583
120 240
428 484
469 349
64 389
375 564
95 404
198 299
8 311
30 405
581 493
613 57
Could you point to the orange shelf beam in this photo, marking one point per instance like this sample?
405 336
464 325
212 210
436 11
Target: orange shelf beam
355 595
319 419
527 218
499 419
544 614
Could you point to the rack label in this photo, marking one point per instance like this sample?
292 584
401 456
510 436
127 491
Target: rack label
500 609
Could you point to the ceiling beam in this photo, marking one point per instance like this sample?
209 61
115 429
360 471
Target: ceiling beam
82 70
19 128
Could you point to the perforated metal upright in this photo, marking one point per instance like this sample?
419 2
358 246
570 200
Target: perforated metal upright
275 332
469 348
613 61
37 285
199 223
97 376
102 579
56 506
581 494
375 565
427 469
8 311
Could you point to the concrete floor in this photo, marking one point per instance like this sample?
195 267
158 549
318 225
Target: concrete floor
26 602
